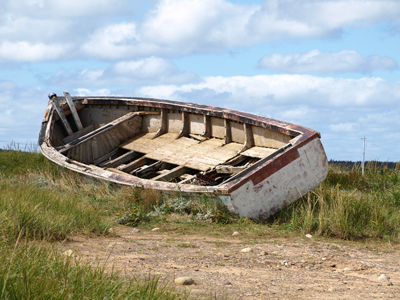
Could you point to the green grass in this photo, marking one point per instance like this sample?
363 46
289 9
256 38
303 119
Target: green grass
36 271
348 205
42 204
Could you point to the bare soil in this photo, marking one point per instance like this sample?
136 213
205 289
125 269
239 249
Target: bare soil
276 268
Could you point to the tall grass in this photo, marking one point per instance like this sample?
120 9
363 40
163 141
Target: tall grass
348 205
42 203
36 271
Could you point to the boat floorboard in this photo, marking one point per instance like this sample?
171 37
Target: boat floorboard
184 151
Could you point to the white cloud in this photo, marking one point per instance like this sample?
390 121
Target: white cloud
344 127
289 90
327 62
87 92
24 51
180 27
148 71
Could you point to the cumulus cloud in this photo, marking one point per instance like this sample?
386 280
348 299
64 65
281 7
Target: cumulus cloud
27 52
181 27
327 62
290 90
148 71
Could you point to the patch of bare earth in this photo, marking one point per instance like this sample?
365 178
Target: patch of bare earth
289 268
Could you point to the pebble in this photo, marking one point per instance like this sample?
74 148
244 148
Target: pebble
135 230
331 289
184 281
224 283
348 269
155 229
246 250
262 253
235 233
308 236
383 277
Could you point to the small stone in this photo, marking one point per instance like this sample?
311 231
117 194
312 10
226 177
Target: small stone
348 269
324 258
68 253
135 230
184 281
308 236
246 250
235 233
262 253
285 263
224 283
383 277
331 289
155 229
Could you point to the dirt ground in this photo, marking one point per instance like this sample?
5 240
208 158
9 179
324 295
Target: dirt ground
278 268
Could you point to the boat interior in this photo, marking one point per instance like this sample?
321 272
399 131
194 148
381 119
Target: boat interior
160 144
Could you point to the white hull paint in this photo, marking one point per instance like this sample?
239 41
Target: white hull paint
283 187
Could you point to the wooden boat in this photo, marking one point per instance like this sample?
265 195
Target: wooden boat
254 165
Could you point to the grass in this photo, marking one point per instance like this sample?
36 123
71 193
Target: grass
348 205
42 204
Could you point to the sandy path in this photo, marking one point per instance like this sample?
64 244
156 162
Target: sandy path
289 268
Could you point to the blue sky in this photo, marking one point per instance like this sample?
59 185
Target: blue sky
332 66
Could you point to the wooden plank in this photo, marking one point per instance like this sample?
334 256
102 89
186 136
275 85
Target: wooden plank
78 134
259 152
145 143
264 137
207 127
249 138
95 151
135 164
173 151
164 124
101 159
228 133
117 171
175 172
60 113
185 125
238 132
106 128
123 159
73 110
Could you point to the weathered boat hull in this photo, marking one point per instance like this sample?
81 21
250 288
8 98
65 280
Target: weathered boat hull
206 138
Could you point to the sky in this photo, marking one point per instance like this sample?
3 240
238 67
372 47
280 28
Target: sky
332 66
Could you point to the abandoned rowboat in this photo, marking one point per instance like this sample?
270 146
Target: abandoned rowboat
254 165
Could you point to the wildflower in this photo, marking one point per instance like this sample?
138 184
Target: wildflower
117 214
